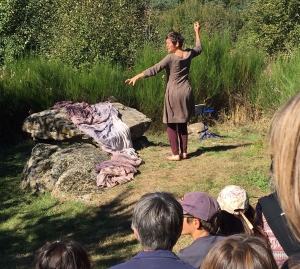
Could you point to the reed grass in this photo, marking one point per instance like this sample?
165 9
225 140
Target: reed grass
279 81
222 77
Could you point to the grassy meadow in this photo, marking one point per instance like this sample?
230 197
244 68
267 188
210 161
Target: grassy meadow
244 88
102 225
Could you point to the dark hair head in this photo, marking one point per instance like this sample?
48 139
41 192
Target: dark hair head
293 262
175 37
64 254
157 219
240 251
208 226
229 224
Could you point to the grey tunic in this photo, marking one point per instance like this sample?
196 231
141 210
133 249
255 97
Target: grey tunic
179 104
195 253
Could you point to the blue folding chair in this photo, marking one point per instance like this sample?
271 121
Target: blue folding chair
201 110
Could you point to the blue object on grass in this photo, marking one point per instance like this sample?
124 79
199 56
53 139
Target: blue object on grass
200 109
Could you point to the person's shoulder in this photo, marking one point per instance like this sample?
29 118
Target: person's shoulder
189 249
169 56
124 265
210 239
182 265
219 237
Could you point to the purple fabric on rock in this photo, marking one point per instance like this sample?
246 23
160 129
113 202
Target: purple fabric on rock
101 122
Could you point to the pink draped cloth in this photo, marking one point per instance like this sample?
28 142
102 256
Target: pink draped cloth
101 122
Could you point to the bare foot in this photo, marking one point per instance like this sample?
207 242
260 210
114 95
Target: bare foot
183 155
173 158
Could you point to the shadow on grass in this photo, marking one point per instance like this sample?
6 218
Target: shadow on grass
27 222
143 142
217 148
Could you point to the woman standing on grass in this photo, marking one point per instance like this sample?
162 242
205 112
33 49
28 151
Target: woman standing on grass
179 104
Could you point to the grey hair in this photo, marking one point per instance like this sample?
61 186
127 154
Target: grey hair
157 219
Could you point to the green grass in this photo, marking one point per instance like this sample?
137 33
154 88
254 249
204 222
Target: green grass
28 221
103 226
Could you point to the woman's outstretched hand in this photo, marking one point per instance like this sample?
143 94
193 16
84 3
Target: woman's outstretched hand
197 26
131 81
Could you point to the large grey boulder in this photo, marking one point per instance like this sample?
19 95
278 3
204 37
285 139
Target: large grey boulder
54 124
137 122
195 130
63 171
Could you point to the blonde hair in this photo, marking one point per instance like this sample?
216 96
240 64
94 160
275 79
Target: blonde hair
284 137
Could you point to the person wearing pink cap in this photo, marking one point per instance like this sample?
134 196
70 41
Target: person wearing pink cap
199 211
236 215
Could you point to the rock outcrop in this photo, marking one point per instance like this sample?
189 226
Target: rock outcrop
63 171
54 125
195 130
68 169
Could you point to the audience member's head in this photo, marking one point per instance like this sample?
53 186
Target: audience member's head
284 136
236 215
157 221
293 262
64 254
199 209
240 251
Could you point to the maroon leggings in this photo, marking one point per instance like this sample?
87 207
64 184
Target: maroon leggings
174 131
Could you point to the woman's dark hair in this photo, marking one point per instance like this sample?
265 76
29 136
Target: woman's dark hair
175 37
63 254
229 224
293 262
240 251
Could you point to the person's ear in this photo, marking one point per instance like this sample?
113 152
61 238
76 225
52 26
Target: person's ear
196 223
177 45
136 235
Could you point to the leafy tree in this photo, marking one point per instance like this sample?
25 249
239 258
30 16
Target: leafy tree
23 24
161 5
273 25
79 32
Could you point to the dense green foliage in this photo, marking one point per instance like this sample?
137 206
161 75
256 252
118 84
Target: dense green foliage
273 25
214 18
221 78
279 82
84 50
79 33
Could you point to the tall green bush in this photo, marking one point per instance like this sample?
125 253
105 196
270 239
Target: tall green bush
25 26
35 84
79 33
223 77
279 82
214 17
273 25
